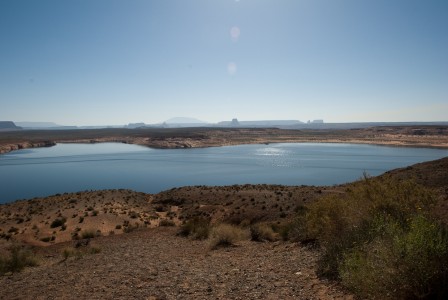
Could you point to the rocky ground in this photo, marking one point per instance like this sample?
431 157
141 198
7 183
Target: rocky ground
157 264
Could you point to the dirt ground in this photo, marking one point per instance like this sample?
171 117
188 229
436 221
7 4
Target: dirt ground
157 264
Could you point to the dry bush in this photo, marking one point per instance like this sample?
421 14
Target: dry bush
58 222
88 234
18 259
224 235
78 252
262 232
166 223
198 228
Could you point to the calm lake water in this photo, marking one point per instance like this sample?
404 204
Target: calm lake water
76 167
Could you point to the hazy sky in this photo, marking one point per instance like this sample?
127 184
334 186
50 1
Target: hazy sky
92 62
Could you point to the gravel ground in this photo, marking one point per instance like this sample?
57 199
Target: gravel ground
157 264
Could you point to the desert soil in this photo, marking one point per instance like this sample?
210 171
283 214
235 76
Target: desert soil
157 264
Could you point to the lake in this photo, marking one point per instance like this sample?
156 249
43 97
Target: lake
63 168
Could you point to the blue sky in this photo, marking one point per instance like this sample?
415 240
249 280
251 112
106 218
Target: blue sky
97 62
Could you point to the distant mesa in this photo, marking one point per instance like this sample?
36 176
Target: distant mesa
38 124
43 126
184 120
8 126
261 123
136 125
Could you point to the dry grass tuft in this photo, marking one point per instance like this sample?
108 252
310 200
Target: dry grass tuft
224 235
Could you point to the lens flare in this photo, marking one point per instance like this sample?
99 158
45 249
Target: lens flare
231 68
235 33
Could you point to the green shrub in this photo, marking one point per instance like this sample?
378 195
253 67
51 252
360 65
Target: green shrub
224 235
18 259
423 250
197 228
407 263
379 239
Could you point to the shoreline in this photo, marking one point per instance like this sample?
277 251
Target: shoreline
25 145
404 136
185 144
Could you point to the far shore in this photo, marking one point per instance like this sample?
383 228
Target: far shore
401 136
